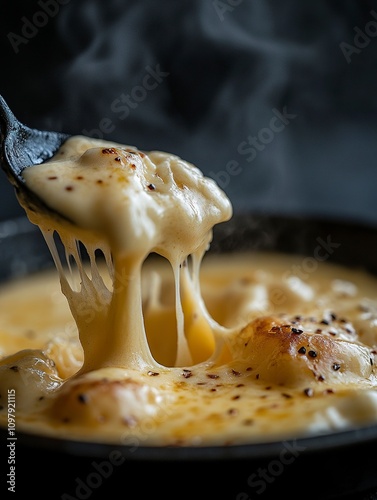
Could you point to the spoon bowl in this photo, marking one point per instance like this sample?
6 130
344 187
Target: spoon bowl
22 147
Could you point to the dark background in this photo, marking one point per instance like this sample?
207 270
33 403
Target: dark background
226 68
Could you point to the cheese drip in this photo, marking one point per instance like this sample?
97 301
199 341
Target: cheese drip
125 205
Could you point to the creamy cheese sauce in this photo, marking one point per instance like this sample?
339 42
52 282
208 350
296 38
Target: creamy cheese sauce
141 336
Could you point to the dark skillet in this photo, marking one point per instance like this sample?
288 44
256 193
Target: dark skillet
341 465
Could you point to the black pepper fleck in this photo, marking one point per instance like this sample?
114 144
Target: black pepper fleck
187 373
309 392
109 151
83 398
298 331
286 395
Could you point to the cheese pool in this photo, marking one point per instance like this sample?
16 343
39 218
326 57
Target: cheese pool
139 334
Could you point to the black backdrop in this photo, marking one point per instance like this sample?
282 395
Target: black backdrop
276 100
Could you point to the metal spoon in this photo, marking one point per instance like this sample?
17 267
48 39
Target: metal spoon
22 147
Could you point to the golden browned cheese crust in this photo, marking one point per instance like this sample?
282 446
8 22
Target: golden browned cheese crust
303 353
